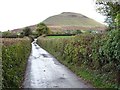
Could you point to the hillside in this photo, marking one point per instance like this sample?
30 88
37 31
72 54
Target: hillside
69 21
72 21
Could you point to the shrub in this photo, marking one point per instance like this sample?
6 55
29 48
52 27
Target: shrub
26 31
111 50
8 34
42 29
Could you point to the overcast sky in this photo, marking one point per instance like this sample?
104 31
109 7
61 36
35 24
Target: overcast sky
21 13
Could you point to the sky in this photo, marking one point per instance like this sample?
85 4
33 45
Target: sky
20 13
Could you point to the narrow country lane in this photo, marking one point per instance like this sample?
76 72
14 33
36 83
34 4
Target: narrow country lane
44 71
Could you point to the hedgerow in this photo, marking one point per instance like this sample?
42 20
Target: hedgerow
14 59
95 57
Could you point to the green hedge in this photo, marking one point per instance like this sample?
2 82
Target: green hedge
86 56
14 59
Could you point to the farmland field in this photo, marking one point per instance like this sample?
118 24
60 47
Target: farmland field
15 53
59 36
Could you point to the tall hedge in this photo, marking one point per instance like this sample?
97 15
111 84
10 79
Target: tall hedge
96 52
14 59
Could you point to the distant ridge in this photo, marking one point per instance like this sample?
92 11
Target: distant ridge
70 21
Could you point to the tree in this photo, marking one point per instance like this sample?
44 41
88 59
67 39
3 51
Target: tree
109 8
42 29
111 47
26 31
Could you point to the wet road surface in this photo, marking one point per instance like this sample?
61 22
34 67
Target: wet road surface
44 71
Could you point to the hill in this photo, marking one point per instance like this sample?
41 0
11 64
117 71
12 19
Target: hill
72 21
69 21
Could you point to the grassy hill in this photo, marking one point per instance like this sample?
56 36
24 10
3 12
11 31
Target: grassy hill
69 21
72 21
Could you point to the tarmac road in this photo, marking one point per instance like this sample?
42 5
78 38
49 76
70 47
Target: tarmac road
44 71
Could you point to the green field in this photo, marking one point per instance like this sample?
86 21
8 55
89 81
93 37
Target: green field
59 36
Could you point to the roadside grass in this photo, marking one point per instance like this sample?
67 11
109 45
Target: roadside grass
94 78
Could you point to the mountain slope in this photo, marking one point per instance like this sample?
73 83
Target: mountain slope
71 19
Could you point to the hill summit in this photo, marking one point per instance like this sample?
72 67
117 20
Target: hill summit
72 21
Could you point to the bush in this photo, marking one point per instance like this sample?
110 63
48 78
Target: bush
8 34
42 29
14 59
111 50
26 31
